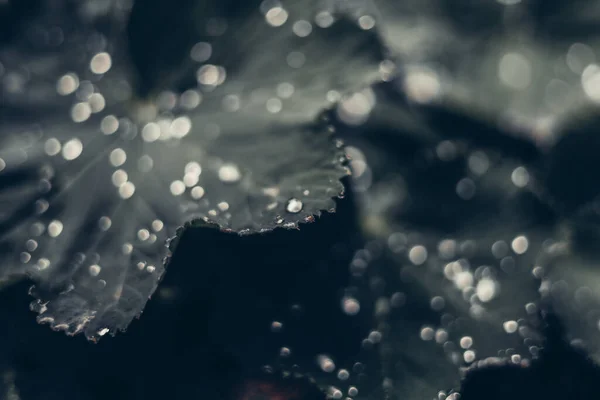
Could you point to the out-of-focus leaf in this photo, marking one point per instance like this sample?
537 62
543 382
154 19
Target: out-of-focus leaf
457 229
512 60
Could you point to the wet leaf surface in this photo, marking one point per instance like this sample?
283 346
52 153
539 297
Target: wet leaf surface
129 172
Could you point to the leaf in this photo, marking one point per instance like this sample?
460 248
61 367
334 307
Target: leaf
117 176
455 235
570 281
495 58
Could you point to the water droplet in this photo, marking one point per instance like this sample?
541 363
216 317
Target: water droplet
293 206
276 16
104 223
296 59
478 163
510 326
190 99
229 173
418 255
101 63
324 19
274 105
515 70
197 192
466 342
422 85
437 303
469 356
180 127
177 188
126 190
520 177
119 177
118 157
81 112
465 188
145 163
95 270
55 228
143 234
208 75
350 305
67 84
97 102
335 393
326 363
109 125
486 289
366 22
52 147
343 374
302 28
150 132
42 264
285 90
499 249
285 352
520 244
201 52
72 149
193 168
25 257
157 225
427 333
276 326
31 245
